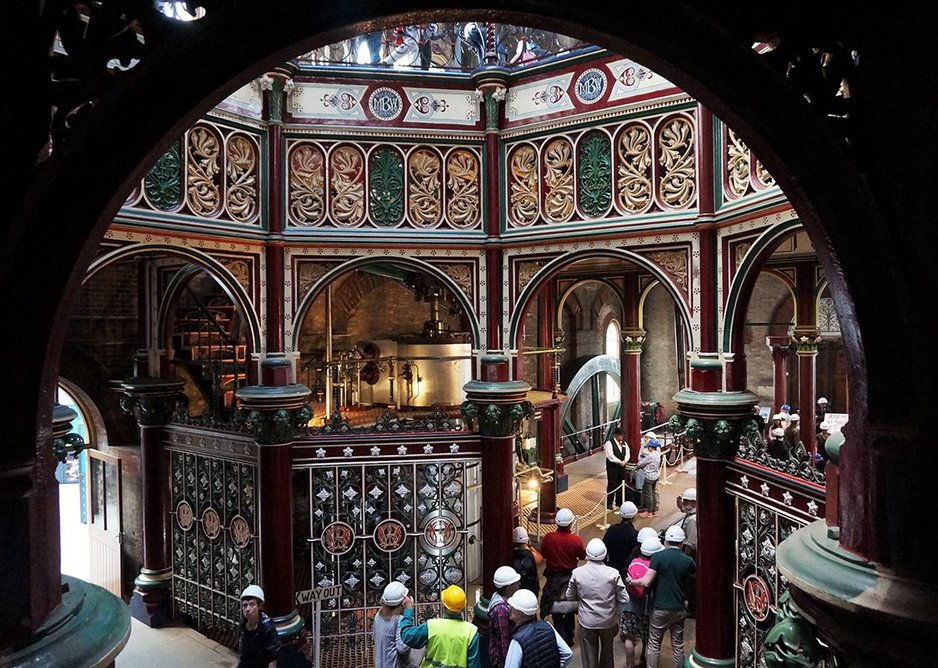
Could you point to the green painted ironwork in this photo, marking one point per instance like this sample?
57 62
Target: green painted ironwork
163 183
595 161
386 187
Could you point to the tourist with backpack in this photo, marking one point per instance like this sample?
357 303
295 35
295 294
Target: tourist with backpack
634 622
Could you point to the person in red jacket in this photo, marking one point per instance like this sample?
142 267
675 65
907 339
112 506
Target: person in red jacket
562 551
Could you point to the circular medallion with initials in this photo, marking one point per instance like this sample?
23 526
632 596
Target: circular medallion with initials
240 531
338 538
440 535
385 103
389 535
184 515
757 597
211 523
590 86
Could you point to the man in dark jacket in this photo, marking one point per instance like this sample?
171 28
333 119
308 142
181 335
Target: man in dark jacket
535 644
620 539
260 643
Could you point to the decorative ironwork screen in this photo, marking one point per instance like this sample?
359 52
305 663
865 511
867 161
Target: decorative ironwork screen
213 533
367 523
769 508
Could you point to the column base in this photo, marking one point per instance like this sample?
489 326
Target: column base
151 602
89 628
295 644
697 661
859 608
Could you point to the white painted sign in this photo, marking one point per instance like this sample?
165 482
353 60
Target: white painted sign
630 79
441 105
318 594
539 98
836 421
325 101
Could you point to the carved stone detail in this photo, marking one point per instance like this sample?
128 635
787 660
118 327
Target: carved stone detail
497 419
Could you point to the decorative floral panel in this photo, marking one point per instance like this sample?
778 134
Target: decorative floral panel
677 169
162 185
347 186
214 525
634 190
738 158
557 159
463 187
367 524
241 177
594 156
523 185
386 186
425 187
307 184
203 170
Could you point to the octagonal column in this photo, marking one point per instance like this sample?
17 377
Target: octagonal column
495 407
714 422
152 402
275 411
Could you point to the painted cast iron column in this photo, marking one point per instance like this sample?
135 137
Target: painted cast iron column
780 347
275 411
152 402
549 456
714 422
806 341
631 388
495 406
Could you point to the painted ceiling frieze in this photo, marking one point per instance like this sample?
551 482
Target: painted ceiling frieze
213 173
336 101
383 186
626 169
630 80
446 106
539 98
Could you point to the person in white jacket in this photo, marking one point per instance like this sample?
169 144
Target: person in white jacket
600 593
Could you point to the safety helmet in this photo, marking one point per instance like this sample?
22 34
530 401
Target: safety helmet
645 533
253 591
524 601
795 417
453 598
690 494
596 550
520 535
564 517
652 545
628 510
786 407
778 432
394 593
654 443
825 426
822 400
674 534
504 576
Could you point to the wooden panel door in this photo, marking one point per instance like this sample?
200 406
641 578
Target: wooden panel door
104 510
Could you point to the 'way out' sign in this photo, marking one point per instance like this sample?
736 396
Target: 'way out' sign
318 594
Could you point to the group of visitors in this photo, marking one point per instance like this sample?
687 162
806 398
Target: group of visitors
646 472
783 435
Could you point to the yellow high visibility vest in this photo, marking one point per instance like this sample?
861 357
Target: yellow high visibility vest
448 643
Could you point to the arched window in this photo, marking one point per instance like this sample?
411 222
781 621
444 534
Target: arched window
613 349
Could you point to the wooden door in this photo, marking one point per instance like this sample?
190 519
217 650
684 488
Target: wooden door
104 515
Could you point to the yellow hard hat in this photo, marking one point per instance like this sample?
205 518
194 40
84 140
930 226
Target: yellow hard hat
453 598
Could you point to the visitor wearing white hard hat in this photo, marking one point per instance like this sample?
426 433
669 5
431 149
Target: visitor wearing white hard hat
562 550
793 444
820 440
600 591
525 560
390 651
649 462
449 640
634 622
621 538
260 643
687 503
671 570
534 643
501 627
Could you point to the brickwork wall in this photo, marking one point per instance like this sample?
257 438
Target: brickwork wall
771 302
659 362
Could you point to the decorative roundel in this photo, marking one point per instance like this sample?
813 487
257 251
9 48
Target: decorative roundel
385 103
240 531
211 523
389 535
184 515
757 597
590 86
440 535
338 538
